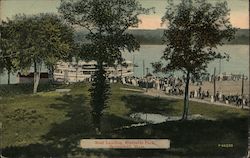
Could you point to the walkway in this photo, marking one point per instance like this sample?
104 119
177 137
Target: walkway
159 93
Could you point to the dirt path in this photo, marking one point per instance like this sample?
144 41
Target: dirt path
157 93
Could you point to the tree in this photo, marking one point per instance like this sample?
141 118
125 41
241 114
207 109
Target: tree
106 23
195 29
42 39
7 49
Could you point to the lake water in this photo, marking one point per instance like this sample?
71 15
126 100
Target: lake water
238 63
239 60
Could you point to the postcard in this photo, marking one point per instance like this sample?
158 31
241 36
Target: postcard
124 79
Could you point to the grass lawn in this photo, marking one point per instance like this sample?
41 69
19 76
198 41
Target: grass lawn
51 124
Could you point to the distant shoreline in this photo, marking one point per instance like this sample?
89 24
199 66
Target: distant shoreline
154 37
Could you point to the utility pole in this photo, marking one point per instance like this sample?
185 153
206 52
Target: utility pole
220 66
242 86
242 91
143 68
133 62
0 32
147 80
214 85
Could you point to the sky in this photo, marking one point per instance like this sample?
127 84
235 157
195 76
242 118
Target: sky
239 15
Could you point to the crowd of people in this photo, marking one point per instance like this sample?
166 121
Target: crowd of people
175 86
170 85
237 100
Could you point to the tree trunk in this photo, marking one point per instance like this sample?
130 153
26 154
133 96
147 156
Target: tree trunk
121 71
8 77
77 72
37 72
98 97
186 98
52 74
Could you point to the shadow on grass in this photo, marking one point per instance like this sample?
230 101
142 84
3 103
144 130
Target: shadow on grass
200 138
197 138
147 104
226 114
66 135
27 88
63 139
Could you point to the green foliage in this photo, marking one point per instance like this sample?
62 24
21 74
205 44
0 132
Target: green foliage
106 23
195 29
99 91
40 39
8 50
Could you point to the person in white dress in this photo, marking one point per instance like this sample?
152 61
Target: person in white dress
195 94
212 99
